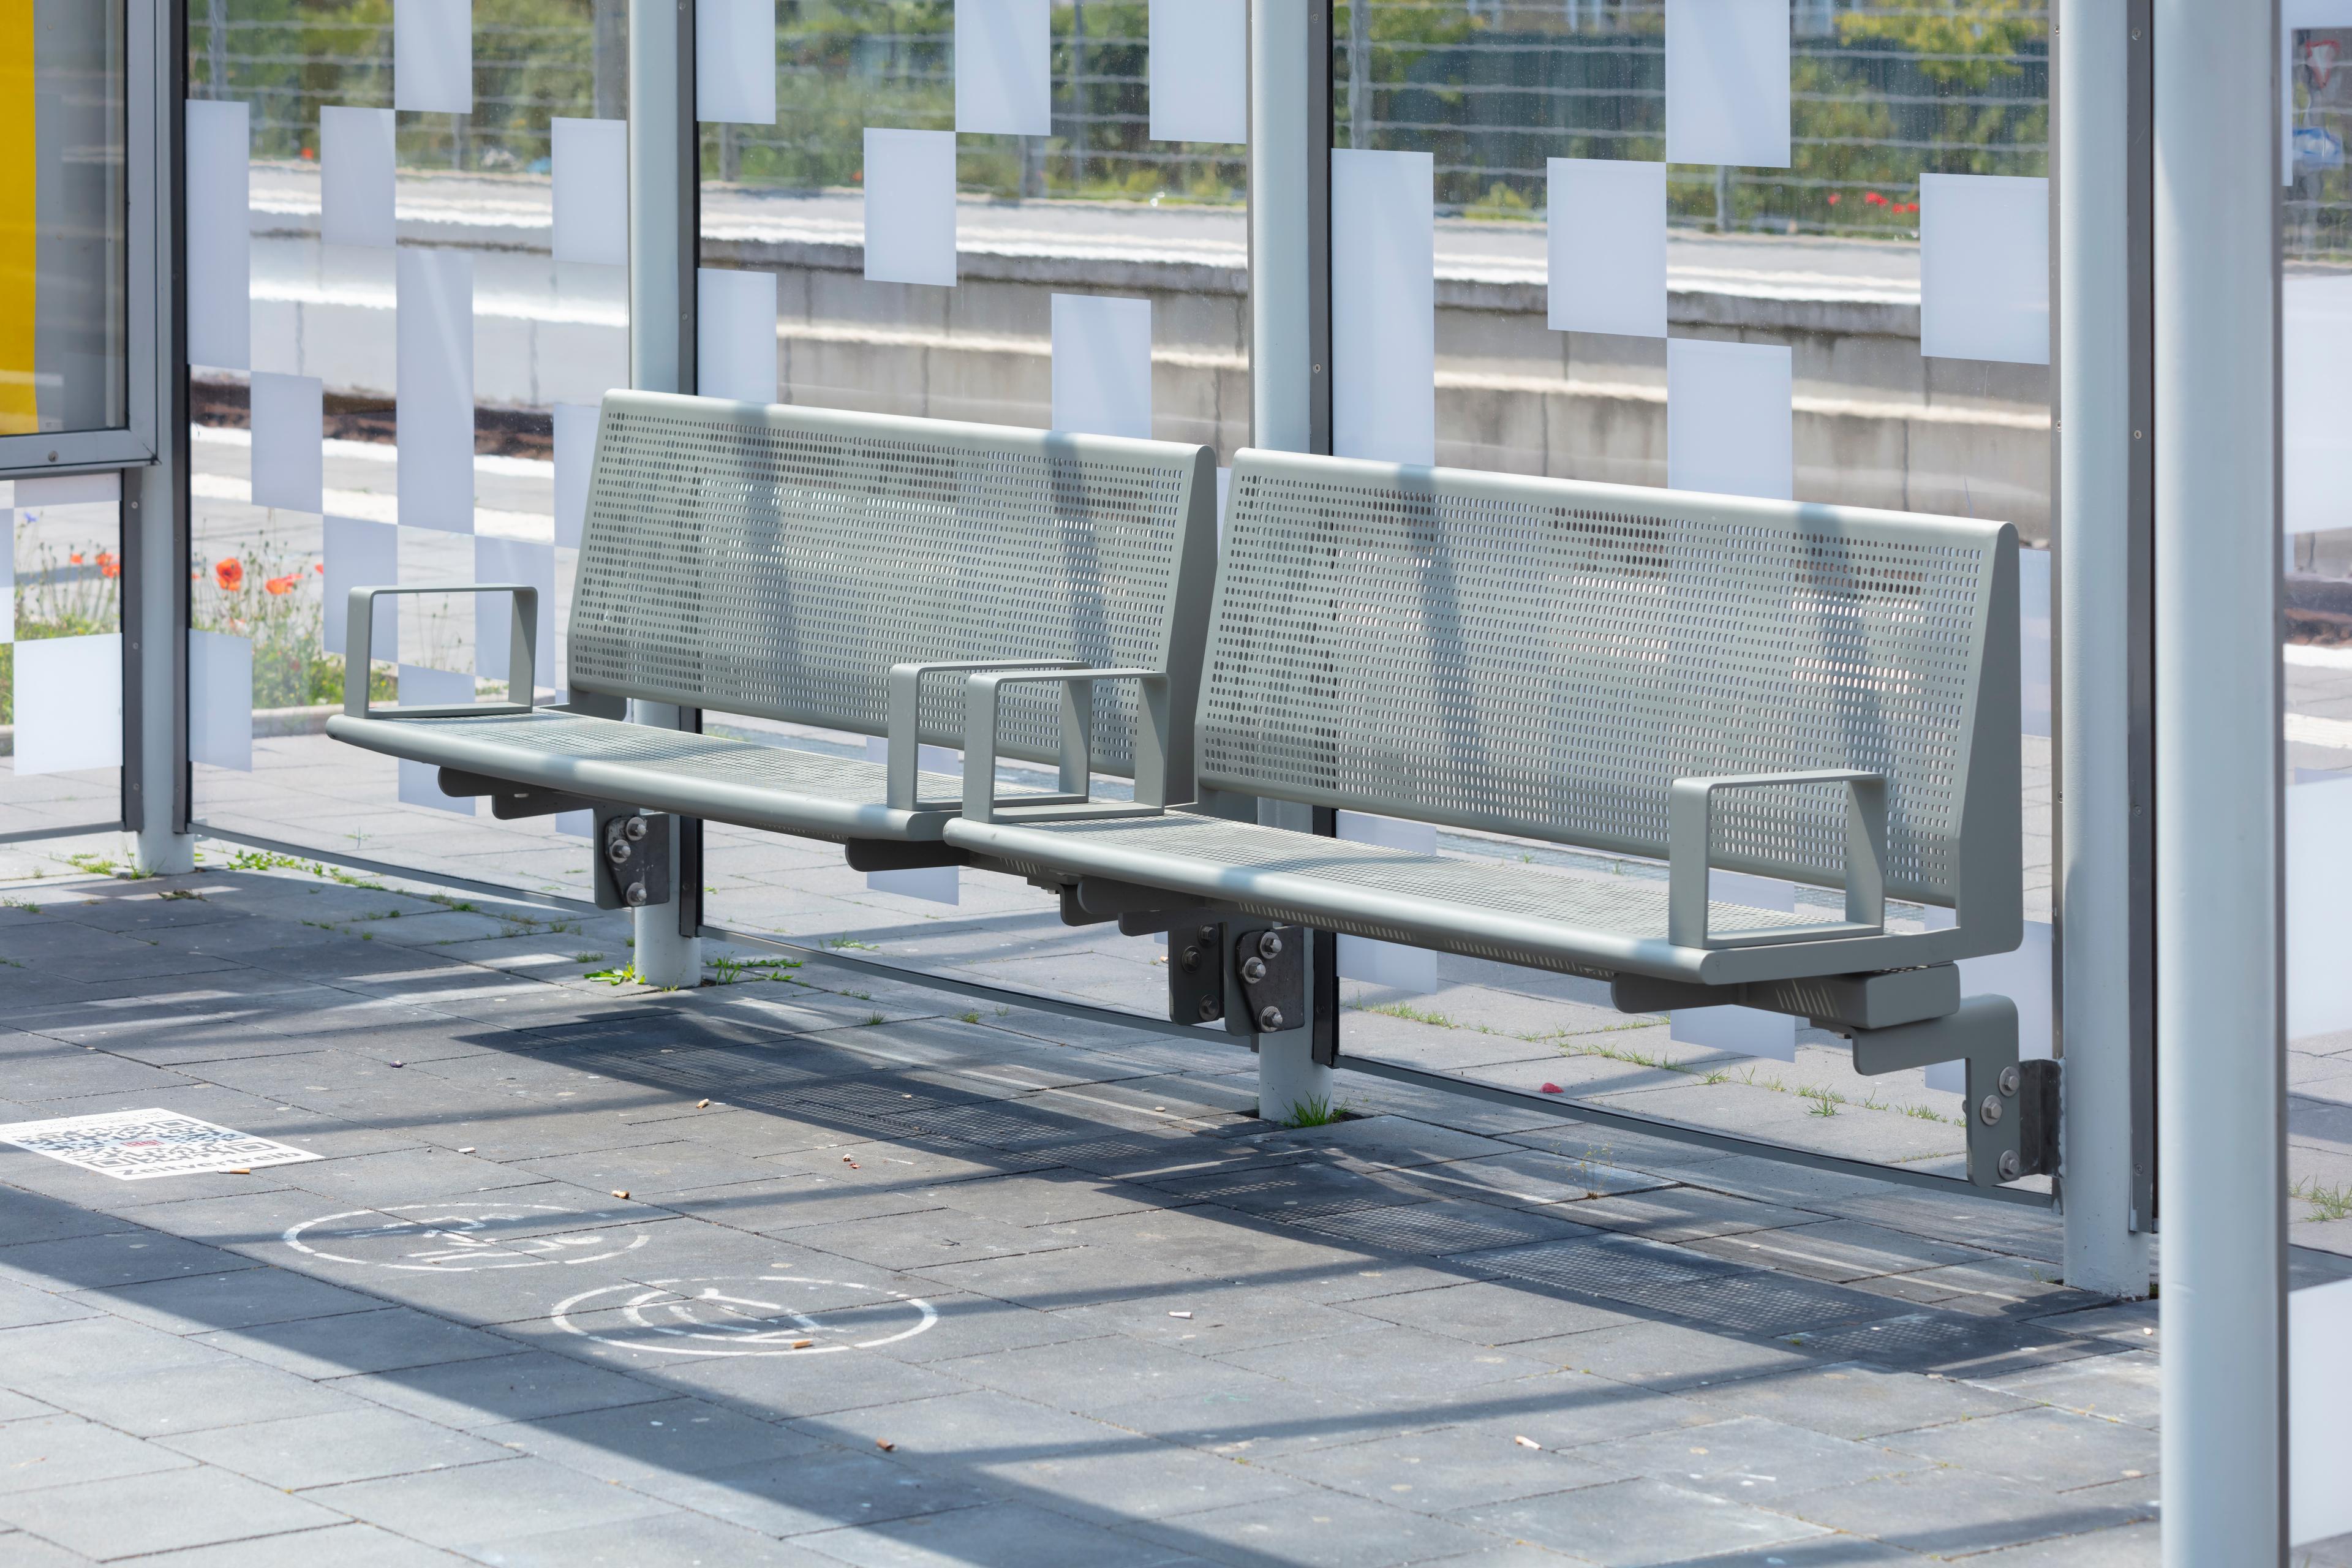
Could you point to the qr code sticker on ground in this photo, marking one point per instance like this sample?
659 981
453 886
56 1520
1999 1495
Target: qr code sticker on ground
133 1144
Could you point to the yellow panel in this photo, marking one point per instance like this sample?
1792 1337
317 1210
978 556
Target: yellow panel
19 231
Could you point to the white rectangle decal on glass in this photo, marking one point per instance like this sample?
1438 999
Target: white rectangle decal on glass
68 489
910 207
355 177
69 697
361 555
2319 1413
1199 71
2315 345
1984 267
735 61
1004 67
934 884
591 160
2318 923
435 417
1730 419
289 449
420 783
533 567
1102 365
433 55
1384 306
1743 1031
1390 965
576 464
1607 219
1727 82
219 233
735 334
220 701
131 1145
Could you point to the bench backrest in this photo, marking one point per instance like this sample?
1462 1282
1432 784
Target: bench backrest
1543 657
777 562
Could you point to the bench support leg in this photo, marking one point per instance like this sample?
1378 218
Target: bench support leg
2010 1123
1289 1078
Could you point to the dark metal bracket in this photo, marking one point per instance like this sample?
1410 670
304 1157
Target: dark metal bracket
510 801
634 855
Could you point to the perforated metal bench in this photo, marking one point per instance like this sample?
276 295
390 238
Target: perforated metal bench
837 570
1821 694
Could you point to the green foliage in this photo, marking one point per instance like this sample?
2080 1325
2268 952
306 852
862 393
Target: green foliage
1315 1111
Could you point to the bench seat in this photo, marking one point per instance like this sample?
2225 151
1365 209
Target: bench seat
806 793
1599 926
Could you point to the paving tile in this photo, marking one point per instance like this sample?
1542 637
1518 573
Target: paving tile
241 1299
631 1444
1387 1366
1449 1470
30 1552
344 1445
1749 1458
1856 1401
827 1489
676 1537
222 1393
1325 1531
2123 1387
1091 1376
197 1506
1839 1250
340 1546
992 1535
381 1341
24 1306
1640 1521
56 1450
2120 1546
481 1503
118 1258
486 1391
1666 1356
2055 1449
1952 1512
1216 1318
42 1355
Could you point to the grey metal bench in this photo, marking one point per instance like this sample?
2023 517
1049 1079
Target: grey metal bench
1821 694
833 569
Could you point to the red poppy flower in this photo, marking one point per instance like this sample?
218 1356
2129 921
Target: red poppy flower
75 559
280 585
319 567
229 573
1874 198
108 566
1835 198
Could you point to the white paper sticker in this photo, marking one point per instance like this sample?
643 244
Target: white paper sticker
1004 66
2315 402
420 783
532 565
361 555
1199 71
1102 365
1392 965
1727 82
735 334
575 464
934 884
2318 925
355 176
219 233
289 441
735 61
436 389
1607 219
2319 1412
591 159
1984 267
433 55
910 207
1384 306
220 701
69 697
1743 1031
1730 419
2033 635
134 1144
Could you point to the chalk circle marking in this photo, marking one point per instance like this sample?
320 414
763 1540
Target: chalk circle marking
729 1317
449 1239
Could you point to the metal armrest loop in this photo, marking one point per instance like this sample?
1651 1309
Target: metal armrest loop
903 767
358 651
1690 843
982 697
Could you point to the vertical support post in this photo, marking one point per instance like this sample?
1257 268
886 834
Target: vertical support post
2106 820
1290 399
2220 1045
611 58
664 175
154 510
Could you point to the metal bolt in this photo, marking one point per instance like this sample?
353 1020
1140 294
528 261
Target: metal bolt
636 829
1990 1111
2010 1079
1253 970
618 852
2010 1164
1210 1009
1269 945
635 895
1209 935
1270 1020
1190 960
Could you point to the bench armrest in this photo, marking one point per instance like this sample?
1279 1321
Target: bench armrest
359 650
1690 842
903 761
983 695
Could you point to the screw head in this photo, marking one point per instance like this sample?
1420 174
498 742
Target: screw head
2010 1164
618 852
1269 944
2010 1079
1209 936
1990 1111
1189 961
636 828
1253 970
636 896
1210 1009
1270 1020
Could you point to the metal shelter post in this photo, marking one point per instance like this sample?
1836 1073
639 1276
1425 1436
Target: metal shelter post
2103 743
2220 1045
665 172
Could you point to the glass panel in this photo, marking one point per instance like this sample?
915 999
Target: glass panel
1772 324
63 218
61 661
422 306
1099 272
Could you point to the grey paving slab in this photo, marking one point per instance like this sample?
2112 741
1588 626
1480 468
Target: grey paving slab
130 1515
1668 1357
824 1491
117 1258
1641 1522
1387 1365
2135 1545
1950 1513
486 1391
994 1536
635 1443
1749 1457
356 1445
677 1537
1332 1531
1096 1374
1449 1470
224 1392
342 1545
56 1450
22 1306
1857 1401
2055 1449
476 1504
1209 1316
242 1298
2124 1387
43 1355
385 1340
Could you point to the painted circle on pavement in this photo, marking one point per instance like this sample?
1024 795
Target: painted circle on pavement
464 1237
742 1315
